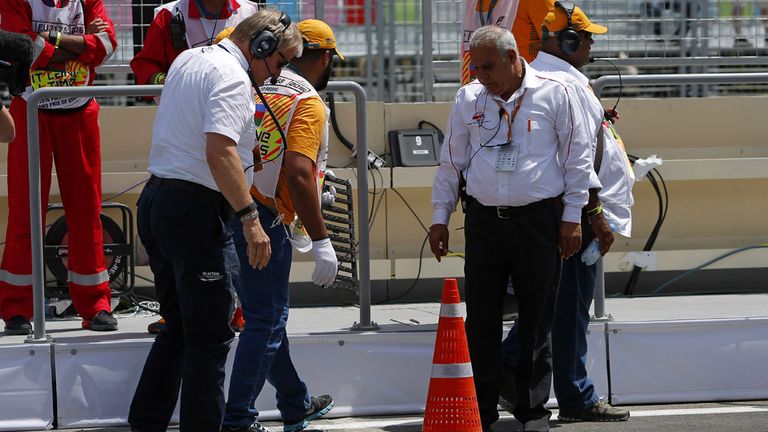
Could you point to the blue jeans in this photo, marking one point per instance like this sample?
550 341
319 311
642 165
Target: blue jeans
262 351
573 388
184 229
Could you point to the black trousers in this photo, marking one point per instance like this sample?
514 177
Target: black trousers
525 247
184 229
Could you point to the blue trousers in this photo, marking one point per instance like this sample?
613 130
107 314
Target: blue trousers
573 388
183 226
263 352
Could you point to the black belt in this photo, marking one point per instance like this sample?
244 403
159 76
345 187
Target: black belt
508 212
187 185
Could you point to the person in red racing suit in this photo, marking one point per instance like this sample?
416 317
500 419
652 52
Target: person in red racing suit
70 39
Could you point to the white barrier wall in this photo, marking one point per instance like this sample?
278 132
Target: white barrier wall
688 361
26 391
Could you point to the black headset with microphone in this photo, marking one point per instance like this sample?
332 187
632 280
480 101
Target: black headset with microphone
568 38
264 42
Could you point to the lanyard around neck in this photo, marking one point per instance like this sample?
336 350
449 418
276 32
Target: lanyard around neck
510 119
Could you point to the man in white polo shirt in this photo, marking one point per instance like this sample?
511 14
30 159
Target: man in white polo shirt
202 152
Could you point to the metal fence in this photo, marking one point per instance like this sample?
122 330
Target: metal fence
382 41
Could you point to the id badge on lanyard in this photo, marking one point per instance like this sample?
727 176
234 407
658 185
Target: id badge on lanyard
506 158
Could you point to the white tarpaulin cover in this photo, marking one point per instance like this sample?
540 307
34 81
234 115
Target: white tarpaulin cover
688 361
367 374
95 381
26 394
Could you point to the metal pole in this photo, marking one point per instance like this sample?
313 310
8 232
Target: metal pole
392 54
715 78
380 50
35 204
600 292
320 9
426 48
364 261
367 9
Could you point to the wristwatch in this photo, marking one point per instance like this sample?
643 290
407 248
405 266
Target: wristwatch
250 208
54 38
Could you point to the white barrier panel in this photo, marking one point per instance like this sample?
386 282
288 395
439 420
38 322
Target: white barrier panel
26 394
95 381
688 361
367 374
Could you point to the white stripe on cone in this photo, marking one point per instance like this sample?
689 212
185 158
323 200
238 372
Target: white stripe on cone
452 310
452 370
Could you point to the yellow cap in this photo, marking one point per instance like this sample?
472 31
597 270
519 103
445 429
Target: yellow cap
318 35
223 34
557 20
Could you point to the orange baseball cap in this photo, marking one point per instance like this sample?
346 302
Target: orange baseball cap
318 35
557 20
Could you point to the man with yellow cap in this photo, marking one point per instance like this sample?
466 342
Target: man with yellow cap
293 144
567 38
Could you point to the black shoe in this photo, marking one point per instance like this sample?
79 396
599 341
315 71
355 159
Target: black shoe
602 411
319 406
537 425
508 392
102 321
253 427
18 325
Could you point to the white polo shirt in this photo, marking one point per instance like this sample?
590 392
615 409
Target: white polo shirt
553 152
207 90
616 176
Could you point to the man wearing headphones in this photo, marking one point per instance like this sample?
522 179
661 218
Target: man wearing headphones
287 192
567 39
517 140
177 26
202 152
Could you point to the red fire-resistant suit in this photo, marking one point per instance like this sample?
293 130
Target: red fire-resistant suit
69 134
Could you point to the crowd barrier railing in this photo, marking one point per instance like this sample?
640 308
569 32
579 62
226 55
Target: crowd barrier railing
35 203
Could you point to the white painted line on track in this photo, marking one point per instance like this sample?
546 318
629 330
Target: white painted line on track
367 424
699 411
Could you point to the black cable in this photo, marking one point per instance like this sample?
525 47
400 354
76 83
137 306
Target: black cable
418 275
125 190
413 212
611 115
440 135
712 261
663 200
277 125
335 124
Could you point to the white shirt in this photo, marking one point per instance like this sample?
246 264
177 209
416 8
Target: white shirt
207 90
616 176
553 148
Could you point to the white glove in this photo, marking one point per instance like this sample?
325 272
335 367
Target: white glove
328 198
326 264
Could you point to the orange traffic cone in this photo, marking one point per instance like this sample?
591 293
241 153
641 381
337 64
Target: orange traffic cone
451 399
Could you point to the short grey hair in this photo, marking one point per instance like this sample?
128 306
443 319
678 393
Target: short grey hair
493 35
269 19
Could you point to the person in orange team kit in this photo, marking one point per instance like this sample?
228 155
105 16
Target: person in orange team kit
70 39
523 17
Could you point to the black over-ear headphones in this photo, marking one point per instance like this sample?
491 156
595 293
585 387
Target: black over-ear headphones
264 42
568 38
